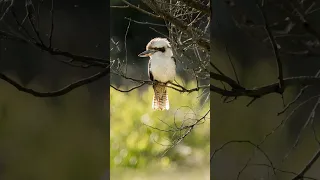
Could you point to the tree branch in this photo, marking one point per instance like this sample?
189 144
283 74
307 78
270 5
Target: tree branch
308 166
198 6
54 51
59 92
225 79
182 26
140 9
245 142
268 89
131 89
274 46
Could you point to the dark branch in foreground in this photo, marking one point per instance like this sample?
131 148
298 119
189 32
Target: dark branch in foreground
245 142
24 37
268 89
282 171
171 85
59 92
181 25
274 46
308 166
129 90
197 5
91 61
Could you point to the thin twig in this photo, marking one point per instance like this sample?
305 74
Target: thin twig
52 24
274 47
141 10
308 166
145 23
129 90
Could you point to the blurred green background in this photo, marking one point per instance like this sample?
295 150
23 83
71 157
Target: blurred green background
137 150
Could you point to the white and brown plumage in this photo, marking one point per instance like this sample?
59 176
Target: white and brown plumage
161 68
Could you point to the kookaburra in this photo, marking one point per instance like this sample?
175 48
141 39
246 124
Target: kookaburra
161 70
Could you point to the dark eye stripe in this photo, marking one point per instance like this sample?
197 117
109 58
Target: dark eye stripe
159 49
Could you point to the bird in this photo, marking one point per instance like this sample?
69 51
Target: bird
161 70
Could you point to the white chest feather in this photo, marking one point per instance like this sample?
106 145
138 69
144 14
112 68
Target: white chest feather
163 69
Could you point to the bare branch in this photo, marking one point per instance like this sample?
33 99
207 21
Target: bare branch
232 65
120 7
30 14
268 89
85 59
302 90
139 9
308 121
171 85
131 89
59 92
308 166
274 47
197 5
204 43
283 171
145 23
52 24
245 142
292 102
225 79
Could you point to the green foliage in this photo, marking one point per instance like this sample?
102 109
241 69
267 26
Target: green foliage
136 145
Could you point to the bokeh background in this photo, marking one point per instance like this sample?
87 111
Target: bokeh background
63 137
256 67
137 150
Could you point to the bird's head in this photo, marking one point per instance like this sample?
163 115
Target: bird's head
157 47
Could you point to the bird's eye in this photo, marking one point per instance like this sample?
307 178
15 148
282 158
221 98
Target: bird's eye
162 49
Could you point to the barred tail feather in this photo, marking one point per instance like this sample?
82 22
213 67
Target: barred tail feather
160 98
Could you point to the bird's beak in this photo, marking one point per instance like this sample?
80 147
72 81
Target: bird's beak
147 53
